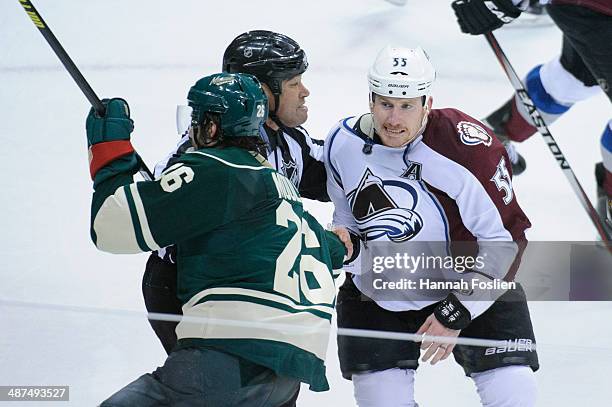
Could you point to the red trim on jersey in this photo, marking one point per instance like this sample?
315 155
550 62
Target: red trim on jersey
481 161
101 154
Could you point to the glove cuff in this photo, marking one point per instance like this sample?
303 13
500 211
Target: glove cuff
452 314
101 154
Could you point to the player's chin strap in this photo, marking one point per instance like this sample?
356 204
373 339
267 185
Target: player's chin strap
272 115
276 120
425 118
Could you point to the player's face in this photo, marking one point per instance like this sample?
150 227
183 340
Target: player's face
397 121
292 110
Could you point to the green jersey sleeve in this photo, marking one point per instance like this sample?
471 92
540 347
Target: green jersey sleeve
190 198
336 249
333 245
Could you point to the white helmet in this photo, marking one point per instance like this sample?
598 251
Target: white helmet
401 73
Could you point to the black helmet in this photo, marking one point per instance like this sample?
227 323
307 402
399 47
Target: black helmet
270 56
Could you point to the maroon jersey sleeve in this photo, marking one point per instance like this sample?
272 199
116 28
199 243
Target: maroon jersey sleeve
484 209
467 142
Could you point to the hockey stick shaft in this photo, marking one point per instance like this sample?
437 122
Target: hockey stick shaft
548 138
71 68
63 56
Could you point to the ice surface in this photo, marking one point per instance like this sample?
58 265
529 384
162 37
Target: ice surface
150 52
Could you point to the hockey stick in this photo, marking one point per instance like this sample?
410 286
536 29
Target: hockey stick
72 70
548 138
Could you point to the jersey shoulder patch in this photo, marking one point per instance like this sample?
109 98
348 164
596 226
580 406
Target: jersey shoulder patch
453 131
462 139
472 134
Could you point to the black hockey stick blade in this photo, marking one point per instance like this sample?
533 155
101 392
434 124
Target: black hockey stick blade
548 138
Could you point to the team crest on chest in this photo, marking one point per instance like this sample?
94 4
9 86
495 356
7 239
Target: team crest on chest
472 134
377 213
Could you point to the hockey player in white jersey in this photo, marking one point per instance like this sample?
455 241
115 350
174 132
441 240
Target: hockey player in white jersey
408 173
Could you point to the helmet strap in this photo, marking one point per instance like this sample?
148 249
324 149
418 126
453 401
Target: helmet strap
276 121
276 103
425 116
272 115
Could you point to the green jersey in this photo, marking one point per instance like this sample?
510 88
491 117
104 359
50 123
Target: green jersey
255 270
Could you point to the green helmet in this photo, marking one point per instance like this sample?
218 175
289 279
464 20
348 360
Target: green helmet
238 98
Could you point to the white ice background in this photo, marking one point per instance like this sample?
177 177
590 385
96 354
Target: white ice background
150 53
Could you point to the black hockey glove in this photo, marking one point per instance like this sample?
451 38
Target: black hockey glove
452 314
356 241
481 16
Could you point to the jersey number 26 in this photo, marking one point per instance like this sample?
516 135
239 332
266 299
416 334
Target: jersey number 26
289 283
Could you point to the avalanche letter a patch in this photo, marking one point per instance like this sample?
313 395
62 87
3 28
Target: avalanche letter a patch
472 134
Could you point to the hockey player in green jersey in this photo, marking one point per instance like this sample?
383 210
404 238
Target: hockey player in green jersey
255 269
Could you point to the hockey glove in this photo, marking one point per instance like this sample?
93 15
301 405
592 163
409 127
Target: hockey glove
353 264
108 137
481 16
356 241
452 314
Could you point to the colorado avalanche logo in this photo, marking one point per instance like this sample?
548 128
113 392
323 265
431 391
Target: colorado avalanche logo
378 215
472 134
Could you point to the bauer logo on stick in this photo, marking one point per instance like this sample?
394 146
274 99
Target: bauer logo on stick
472 134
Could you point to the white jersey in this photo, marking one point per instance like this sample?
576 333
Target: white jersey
451 184
297 156
291 151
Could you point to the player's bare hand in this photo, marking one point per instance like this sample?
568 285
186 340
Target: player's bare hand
439 351
345 237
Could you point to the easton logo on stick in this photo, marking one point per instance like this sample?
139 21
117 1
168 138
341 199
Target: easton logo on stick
538 120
